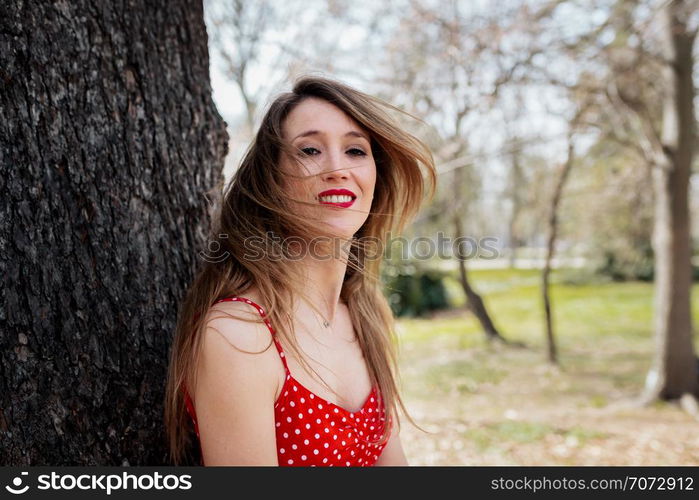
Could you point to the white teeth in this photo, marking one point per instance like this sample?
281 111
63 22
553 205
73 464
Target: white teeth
343 198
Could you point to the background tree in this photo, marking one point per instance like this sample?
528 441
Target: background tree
674 373
638 61
108 140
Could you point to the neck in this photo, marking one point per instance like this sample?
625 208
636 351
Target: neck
323 285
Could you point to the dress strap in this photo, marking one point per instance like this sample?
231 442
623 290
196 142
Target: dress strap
269 326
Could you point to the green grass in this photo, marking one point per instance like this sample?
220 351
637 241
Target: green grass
507 405
522 432
463 376
582 313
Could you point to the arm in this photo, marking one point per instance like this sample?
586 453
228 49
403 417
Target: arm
235 392
393 453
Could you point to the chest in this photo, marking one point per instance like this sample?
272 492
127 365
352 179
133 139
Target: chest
335 359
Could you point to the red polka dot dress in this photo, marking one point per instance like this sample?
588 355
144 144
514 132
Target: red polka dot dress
312 431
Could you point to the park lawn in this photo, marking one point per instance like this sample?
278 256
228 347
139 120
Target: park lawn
507 405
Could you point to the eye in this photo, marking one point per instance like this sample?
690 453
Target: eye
309 151
356 152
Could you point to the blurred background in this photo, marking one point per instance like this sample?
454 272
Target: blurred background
563 133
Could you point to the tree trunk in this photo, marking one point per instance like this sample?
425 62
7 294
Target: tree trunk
108 141
473 300
551 351
516 178
674 366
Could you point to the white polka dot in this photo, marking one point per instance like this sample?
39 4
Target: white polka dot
306 441
303 457
317 420
347 464
335 436
371 428
286 392
310 410
372 400
317 436
278 424
297 431
327 416
334 452
339 456
332 423
282 450
325 460
286 434
327 430
283 408
320 406
290 461
296 388
300 415
312 396
336 410
370 410
315 452
293 447
344 419
292 404
302 400
308 426
288 419
343 443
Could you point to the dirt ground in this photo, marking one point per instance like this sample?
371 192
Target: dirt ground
506 406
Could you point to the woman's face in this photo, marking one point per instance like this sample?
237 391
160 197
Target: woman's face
334 155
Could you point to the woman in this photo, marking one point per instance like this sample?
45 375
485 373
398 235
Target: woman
284 350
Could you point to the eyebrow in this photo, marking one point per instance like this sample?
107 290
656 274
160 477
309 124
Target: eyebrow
351 133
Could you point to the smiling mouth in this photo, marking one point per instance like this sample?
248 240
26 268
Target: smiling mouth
337 200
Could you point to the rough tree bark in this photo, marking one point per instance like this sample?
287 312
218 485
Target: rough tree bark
108 141
674 371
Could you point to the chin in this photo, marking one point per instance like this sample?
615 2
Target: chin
344 230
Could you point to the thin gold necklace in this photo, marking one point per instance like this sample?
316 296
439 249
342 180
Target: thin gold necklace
326 323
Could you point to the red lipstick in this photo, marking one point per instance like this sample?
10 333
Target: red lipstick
337 192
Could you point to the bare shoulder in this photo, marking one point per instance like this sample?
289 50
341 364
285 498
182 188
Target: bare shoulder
237 348
238 377
239 323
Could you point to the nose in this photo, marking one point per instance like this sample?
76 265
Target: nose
335 170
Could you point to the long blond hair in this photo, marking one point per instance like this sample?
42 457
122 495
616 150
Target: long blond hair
256 206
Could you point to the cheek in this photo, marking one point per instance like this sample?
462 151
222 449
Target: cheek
370 183
294 181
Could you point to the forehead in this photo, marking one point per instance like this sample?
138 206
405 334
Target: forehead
317 114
